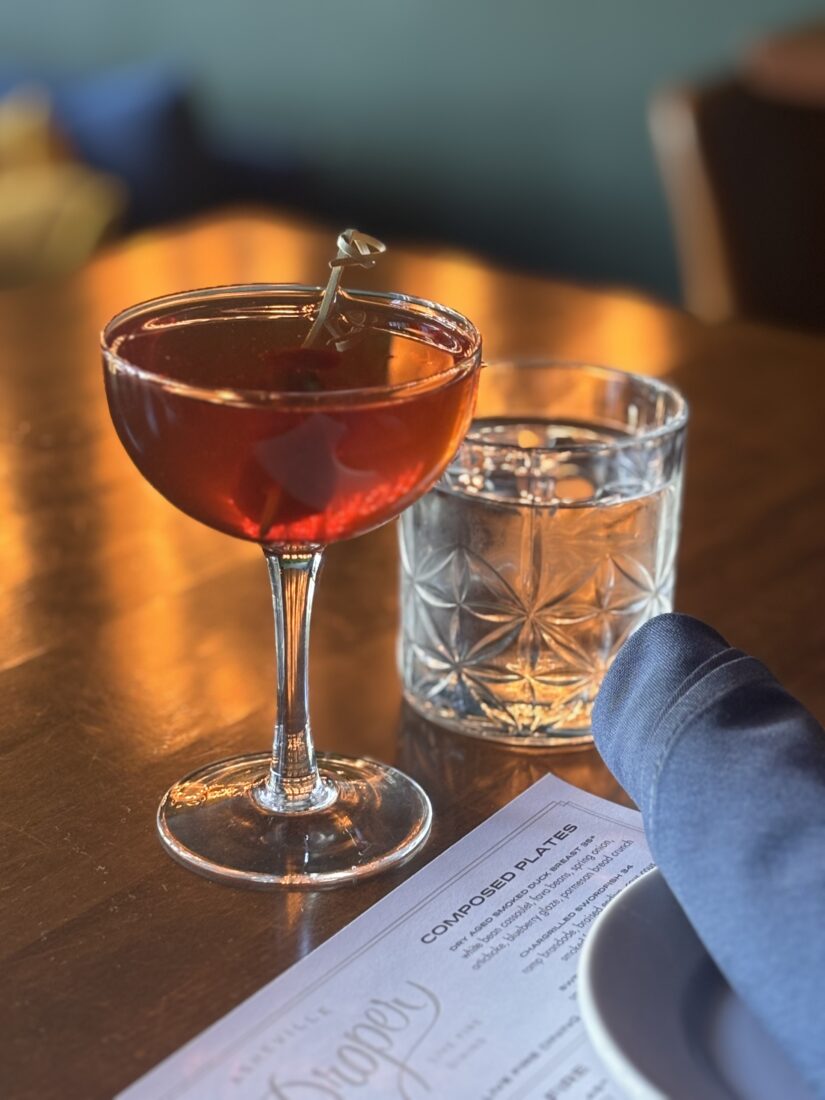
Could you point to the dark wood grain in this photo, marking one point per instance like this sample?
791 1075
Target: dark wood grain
136 645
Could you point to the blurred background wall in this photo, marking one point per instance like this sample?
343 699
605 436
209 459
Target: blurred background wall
517 128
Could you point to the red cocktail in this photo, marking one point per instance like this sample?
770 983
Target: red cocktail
227 415
227 412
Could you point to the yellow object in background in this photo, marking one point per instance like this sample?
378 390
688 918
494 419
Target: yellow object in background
54 210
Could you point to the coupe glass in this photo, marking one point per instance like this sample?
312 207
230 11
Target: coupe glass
236 423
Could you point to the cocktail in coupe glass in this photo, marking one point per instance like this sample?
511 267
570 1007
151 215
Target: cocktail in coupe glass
228 414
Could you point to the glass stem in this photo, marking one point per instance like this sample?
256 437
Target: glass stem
294 784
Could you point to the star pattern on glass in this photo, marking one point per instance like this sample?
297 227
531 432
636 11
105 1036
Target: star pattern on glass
529 653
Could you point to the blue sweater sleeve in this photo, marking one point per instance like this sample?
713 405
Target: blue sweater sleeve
728 770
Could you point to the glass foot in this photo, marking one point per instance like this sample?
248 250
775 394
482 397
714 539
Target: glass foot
212 822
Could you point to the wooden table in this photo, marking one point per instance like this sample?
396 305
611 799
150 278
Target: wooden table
137 645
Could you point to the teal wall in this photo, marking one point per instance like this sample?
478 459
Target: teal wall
518 125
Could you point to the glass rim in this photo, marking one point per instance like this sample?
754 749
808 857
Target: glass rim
676 421
421 307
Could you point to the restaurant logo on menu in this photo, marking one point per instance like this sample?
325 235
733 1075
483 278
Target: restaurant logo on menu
383 1038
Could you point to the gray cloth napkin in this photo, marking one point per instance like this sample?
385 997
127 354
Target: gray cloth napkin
728 770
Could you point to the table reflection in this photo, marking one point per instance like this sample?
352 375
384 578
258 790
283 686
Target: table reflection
454 768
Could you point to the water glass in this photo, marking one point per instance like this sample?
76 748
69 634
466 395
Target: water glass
551 537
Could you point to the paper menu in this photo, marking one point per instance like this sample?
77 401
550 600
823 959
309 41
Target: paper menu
460 983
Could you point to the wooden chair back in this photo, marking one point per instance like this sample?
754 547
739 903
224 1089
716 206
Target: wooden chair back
745 181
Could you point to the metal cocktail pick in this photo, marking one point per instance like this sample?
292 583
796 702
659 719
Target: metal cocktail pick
355 249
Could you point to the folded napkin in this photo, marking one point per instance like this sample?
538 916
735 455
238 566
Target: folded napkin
728 770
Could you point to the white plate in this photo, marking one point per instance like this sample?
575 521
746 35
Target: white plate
661 1017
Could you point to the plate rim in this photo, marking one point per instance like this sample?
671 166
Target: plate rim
620 1067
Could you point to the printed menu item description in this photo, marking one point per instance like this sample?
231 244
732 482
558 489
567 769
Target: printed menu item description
460 983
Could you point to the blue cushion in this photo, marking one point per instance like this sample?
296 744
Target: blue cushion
137 123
